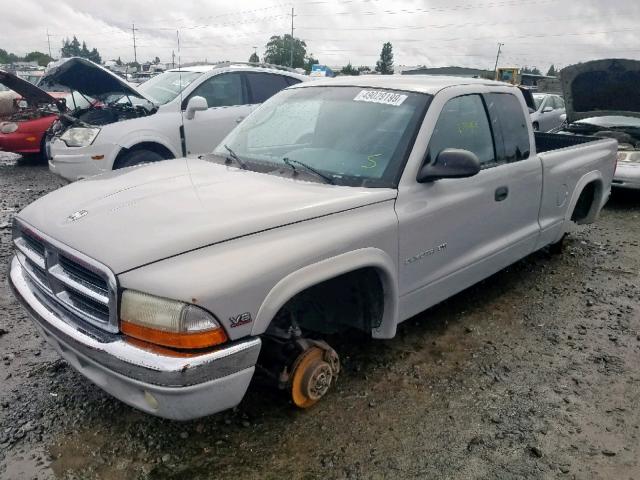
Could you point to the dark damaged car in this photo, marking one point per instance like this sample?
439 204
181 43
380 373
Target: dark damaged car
603 100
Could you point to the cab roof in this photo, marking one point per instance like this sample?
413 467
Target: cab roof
430 84
237 66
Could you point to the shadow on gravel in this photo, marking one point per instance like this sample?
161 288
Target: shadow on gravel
28 161
622 200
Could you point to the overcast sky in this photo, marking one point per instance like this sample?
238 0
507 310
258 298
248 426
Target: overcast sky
423 32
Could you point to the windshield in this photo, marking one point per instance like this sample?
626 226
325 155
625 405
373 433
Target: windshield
538 99
165 87
352 135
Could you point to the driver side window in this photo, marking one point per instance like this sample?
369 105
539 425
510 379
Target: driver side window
223 90
463 124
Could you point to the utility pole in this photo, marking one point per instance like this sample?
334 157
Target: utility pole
173 59
291 59
49 42
495 69
135 53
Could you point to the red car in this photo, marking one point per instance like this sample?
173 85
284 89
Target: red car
23 131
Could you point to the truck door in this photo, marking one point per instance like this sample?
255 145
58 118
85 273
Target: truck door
228 104
455 232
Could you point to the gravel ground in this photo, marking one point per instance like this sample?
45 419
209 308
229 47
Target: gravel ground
531 374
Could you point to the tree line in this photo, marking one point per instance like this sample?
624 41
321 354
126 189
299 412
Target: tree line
70 48
289 51
7 58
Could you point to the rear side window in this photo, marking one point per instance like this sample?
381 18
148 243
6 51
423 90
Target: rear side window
291 80
510 126
558 103
463 124
264 85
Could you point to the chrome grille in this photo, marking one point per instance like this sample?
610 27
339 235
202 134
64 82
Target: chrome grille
76 282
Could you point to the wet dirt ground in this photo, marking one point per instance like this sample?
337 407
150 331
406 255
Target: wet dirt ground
530 374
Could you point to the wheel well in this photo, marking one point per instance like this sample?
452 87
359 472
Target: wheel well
585 202
151 146
351 300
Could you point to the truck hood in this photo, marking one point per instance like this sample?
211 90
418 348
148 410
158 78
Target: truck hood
601 88
27 90
135 216
86 77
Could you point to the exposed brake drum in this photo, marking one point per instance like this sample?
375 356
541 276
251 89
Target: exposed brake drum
312 373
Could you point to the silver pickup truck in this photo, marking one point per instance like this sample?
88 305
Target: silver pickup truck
349 203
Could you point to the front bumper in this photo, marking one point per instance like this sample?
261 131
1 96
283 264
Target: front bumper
627 176
179 388
19 142
75 163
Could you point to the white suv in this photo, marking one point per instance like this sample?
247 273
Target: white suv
180 112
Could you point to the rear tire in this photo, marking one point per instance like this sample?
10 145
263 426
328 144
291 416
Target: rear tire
137 157
43 149
558 247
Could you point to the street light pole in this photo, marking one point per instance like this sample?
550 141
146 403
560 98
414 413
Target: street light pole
291 56
495 68
135 52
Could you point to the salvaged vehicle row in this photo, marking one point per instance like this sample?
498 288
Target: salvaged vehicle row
180 112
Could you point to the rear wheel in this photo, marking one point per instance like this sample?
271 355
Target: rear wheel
137 157
43 149
558 247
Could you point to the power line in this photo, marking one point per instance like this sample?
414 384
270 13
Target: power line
466 24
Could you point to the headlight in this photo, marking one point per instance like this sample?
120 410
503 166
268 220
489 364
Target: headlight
79 136
168 322
629 157
8 127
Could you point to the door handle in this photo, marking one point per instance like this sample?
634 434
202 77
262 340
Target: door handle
239 119
501 193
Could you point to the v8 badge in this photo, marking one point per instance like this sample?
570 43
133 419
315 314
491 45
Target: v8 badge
239 320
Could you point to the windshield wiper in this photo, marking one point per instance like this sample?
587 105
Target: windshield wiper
290 163
233 156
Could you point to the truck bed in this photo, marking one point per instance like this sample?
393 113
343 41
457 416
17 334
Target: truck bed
546 142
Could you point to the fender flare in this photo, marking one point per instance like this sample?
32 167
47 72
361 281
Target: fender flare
593 176
327 269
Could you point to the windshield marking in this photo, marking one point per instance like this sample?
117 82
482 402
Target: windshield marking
376 96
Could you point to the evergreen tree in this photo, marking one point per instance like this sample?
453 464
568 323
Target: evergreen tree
73 48
349 70
254 58
385 64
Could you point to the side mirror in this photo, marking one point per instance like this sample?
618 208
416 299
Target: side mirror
450 163
196 104
547 109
